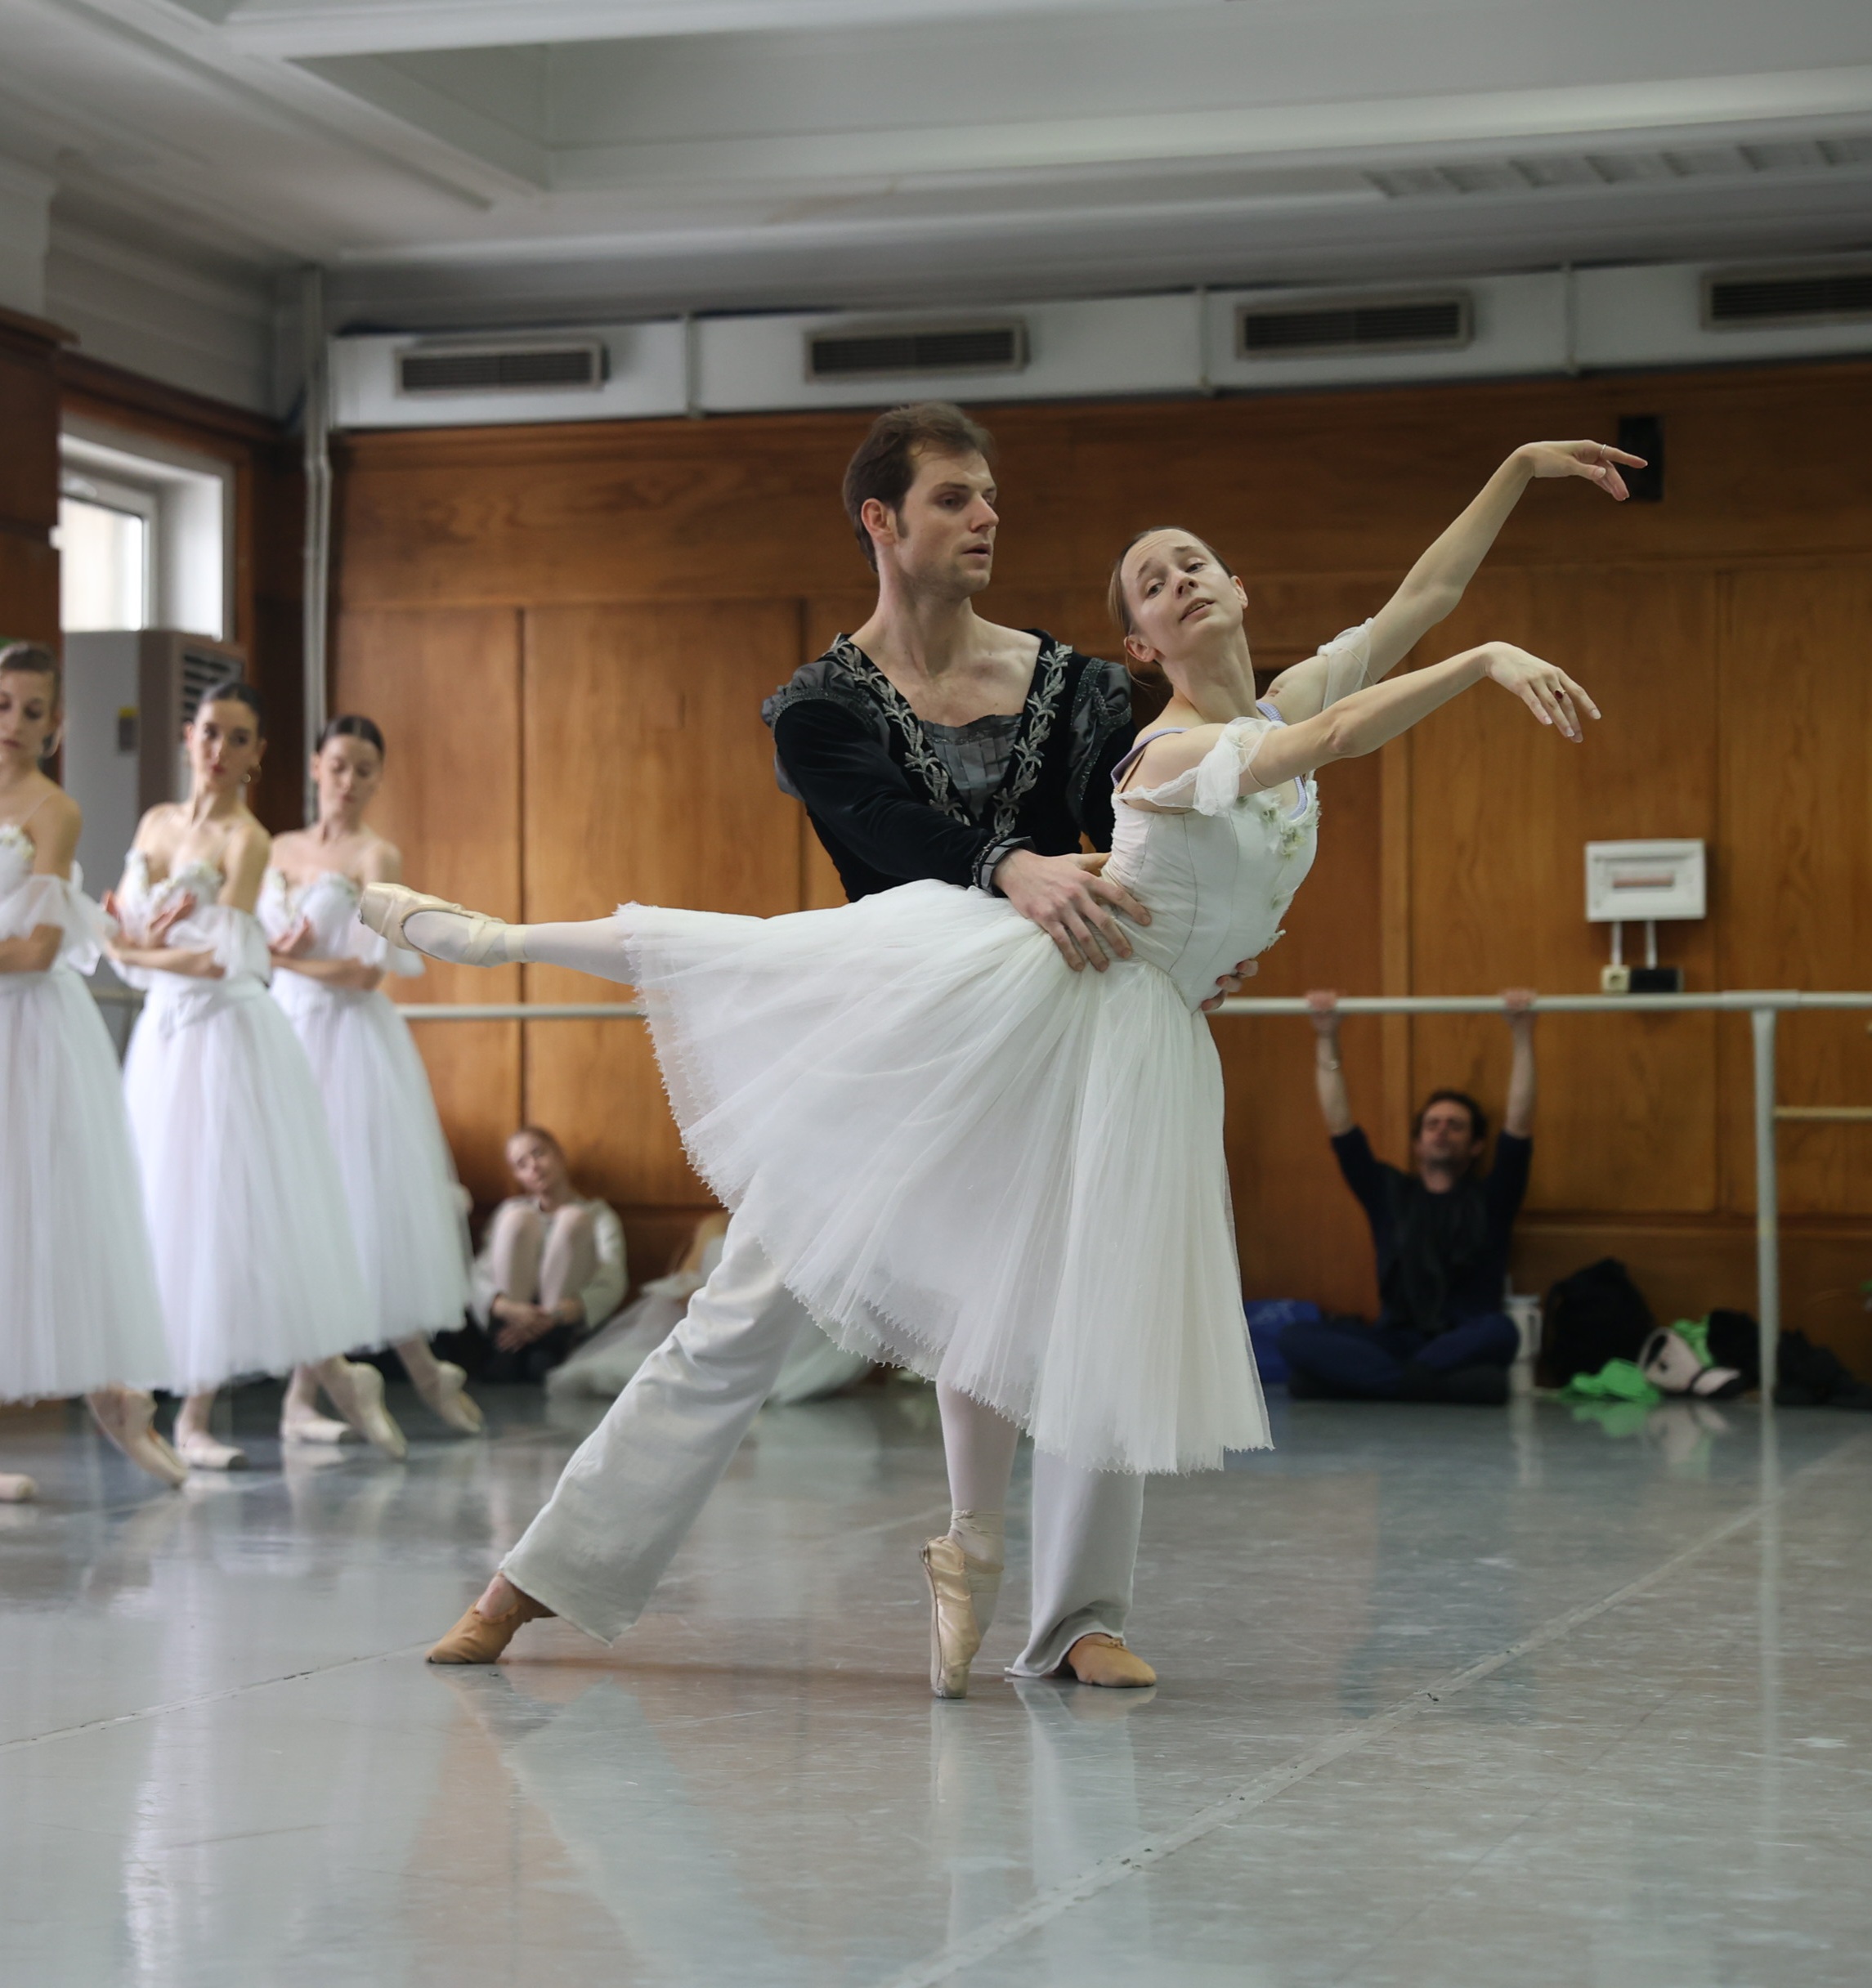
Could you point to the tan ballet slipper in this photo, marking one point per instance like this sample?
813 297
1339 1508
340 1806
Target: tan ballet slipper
954 1638
1102 1659
475 1639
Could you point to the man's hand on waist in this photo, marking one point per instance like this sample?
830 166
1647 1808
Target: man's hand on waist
1073 903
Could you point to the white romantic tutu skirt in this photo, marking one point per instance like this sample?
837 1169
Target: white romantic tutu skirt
247 1215
80 1309
966 1159
399 1182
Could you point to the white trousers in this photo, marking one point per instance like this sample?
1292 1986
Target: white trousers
634 1486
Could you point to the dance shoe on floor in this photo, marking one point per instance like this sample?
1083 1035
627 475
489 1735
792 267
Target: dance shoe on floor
476 1639
386 908
447 1398
308 1427
358 1396
127 1416
16 1490
200 1452
954 1637
1102 1659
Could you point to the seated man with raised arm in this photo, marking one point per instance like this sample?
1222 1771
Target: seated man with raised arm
1441 1233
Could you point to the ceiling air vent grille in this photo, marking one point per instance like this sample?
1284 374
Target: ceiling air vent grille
899 351
535 368
1788 297
1380 324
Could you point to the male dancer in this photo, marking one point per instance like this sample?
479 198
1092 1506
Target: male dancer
931 744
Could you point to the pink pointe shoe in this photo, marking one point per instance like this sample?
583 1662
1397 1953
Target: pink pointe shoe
387 908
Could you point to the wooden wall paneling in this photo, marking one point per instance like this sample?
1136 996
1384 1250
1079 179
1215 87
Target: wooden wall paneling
1501 808
1793 867
28 586
29 478
649 775
443 684
1325 500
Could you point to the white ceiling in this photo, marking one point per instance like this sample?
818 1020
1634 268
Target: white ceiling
464 161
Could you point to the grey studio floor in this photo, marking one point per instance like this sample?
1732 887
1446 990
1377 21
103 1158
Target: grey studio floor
1449 1696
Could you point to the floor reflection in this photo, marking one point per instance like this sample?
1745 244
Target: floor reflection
221 1761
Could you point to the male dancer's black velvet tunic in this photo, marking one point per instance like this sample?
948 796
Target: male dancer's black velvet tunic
894 799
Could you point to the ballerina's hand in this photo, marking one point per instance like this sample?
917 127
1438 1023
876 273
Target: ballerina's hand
295 944
1593 460
1550 694
171 916
1231 984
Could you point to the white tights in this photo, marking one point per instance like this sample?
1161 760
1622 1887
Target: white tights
591 946
978 1445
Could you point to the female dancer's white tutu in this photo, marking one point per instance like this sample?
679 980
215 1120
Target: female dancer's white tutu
399 1180
969 1160
80 1304
254 1256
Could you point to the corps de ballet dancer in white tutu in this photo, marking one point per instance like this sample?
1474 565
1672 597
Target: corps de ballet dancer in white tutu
969 1160
399 1180
247 1217
79 1310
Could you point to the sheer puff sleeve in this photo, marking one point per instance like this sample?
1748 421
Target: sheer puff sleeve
54 901
1348 660
1219 779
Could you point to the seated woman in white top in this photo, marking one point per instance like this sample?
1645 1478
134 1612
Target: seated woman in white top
552 1267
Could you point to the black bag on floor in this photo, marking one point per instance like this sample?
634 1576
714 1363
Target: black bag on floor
1595 1315
1811 1376
1734 1341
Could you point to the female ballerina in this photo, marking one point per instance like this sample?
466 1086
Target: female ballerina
398 1177
255 1257
973 1162
82 1314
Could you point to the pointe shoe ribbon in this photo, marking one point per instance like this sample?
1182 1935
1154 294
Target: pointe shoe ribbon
954 1637
387 908
1102 1659
476 1639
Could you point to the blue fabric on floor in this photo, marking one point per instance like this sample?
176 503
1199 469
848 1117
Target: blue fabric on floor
1268 1318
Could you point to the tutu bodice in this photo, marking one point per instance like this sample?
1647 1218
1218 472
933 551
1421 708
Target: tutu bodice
328 904
233 936
29 901
1217 868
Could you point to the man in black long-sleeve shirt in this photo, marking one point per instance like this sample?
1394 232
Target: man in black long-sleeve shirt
1441 1233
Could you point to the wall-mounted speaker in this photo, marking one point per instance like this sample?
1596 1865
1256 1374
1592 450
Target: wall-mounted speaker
1644 435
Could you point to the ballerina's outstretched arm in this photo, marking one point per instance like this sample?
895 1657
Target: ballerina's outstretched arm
1431 590
1272 754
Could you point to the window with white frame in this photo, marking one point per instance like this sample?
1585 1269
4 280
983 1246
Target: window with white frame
144 533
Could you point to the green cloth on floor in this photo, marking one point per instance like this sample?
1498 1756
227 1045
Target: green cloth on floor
1616 1381
1696 1330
